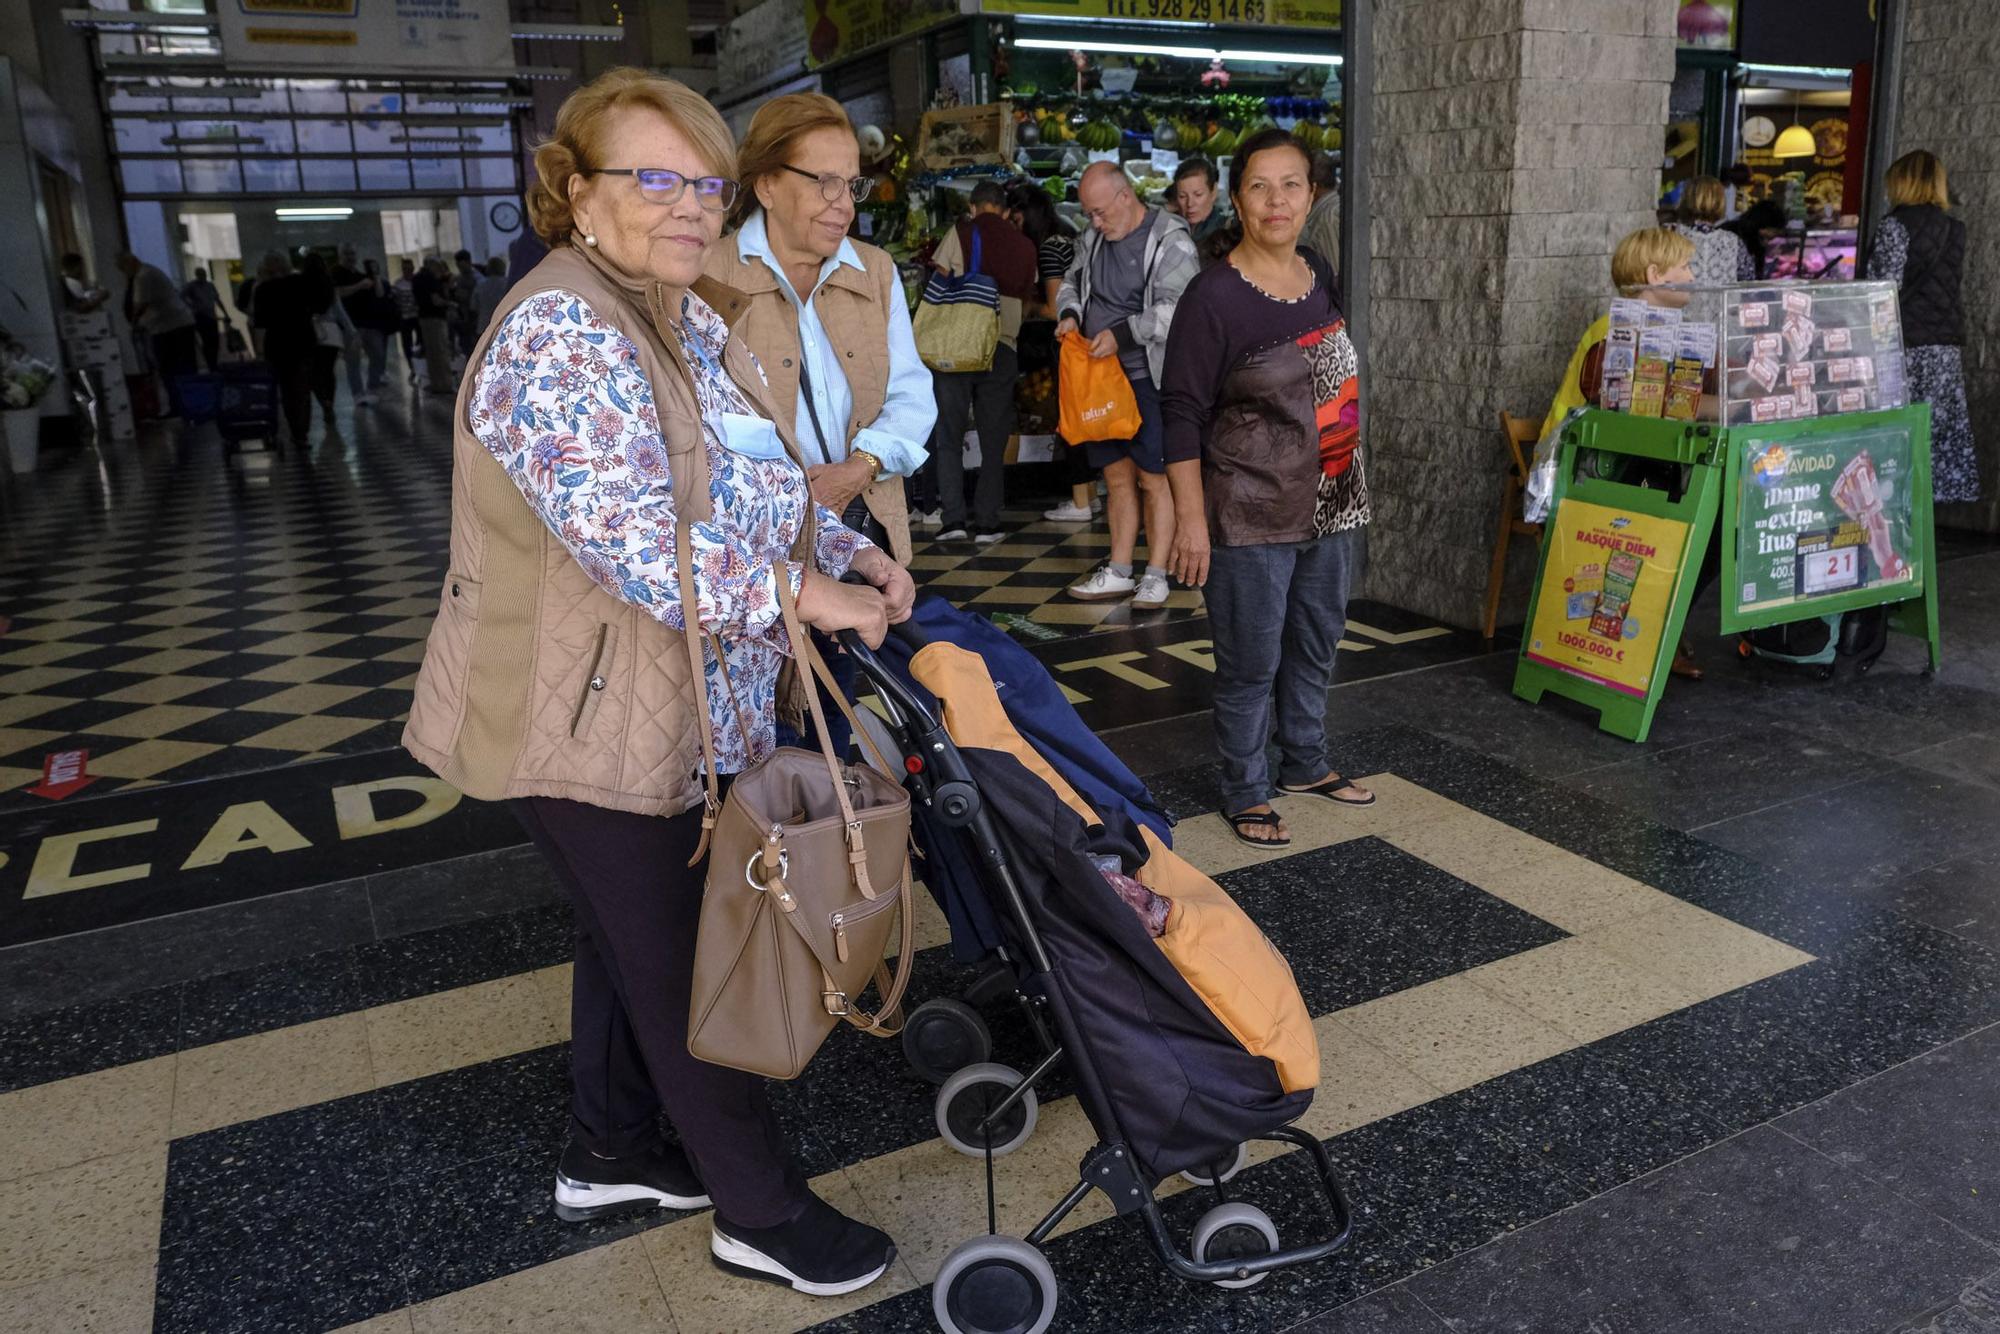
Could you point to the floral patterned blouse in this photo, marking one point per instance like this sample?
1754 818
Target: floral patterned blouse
562 403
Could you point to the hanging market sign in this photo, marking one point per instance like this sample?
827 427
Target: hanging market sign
1607 586
373 35
1822 515
1271 13
837 29
762 44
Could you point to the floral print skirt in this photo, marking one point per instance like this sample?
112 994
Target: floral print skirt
1937 377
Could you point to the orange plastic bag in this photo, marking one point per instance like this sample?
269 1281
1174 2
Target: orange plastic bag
1095 397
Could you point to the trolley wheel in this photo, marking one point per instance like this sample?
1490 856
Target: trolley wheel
1234 1231
942 1037
966 1098
994 1285
1205 1175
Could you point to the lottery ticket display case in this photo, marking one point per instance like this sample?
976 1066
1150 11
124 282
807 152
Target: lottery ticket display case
1764 427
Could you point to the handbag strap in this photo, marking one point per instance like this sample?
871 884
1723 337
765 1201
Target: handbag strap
698 683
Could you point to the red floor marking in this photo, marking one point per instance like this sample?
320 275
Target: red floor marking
64 774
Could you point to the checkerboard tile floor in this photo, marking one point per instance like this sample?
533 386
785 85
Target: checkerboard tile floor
180 617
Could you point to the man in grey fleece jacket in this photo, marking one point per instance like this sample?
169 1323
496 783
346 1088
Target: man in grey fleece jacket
1130 269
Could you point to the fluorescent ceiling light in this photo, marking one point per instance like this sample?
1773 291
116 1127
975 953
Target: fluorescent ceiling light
329 211
1283 57
1807 71
1190 52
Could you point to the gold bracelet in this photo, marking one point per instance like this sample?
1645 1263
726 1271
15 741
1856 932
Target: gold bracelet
874 464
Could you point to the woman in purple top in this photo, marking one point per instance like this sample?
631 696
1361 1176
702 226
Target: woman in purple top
1263 454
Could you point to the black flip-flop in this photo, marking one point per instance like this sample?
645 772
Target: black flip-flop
1325 790
1239 821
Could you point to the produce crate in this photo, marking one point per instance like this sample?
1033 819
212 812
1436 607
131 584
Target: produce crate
966 136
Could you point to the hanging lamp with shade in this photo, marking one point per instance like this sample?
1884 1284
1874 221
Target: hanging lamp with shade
1796 140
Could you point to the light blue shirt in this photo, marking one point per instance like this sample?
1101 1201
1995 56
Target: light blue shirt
898 434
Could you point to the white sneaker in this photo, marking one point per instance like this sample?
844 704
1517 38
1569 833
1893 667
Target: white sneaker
1152 594
926 518
986 537
1068 512
953 535
1103 586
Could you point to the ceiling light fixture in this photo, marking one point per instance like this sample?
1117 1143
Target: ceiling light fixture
327 213
1189 52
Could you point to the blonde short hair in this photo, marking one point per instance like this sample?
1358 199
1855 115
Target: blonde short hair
775 131
1703 200
1918 178
1648 248
580 142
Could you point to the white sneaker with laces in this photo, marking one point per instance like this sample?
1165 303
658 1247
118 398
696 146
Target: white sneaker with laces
1068 512
1103 585
1152 594
926 518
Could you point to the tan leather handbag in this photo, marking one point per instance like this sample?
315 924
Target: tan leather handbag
808 870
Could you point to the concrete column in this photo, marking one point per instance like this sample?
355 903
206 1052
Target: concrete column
1515 142
1951 106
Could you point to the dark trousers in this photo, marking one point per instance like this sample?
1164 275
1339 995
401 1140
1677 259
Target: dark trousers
294 374
638 904
408 331
210 335
174 354
988 398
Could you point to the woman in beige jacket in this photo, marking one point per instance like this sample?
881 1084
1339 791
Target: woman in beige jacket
610 420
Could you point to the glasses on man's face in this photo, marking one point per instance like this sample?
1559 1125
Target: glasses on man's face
657 185
831 188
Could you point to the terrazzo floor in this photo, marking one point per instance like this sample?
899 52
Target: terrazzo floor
1695 1036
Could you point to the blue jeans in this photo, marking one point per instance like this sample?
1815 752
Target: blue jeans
1276 612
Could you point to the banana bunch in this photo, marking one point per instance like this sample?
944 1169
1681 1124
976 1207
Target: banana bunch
1054 130
1100 136
1220 144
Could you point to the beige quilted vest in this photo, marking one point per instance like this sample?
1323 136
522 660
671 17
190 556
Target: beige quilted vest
854 311
537 682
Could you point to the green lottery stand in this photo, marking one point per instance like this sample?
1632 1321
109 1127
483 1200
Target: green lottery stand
1817 474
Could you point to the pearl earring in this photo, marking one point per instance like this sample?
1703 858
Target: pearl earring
590 239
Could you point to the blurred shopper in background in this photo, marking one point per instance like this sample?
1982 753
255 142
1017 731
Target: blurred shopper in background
1920 247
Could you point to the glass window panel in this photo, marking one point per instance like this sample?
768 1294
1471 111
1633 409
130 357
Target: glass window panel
275 134
327 176
327 100
150 176
202 177
489 173
377 102
378 136
131 135
126 97
384 173
437 173
492 139
324 136
271 176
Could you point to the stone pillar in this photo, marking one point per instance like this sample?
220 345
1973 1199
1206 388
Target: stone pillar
1515 142
1951 105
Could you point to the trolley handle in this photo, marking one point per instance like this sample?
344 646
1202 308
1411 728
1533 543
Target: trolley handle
886 683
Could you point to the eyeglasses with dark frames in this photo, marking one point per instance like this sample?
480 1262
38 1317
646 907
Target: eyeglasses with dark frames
657 185
831 188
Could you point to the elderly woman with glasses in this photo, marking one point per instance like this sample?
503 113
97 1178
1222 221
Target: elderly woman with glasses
619 485
828 318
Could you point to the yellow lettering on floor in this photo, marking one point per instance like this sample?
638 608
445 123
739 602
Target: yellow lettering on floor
1200 652
246 825
1115 664
56 859
354 804
1394 637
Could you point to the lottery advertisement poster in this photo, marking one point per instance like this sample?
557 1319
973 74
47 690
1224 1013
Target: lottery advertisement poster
1607 583
1820 516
